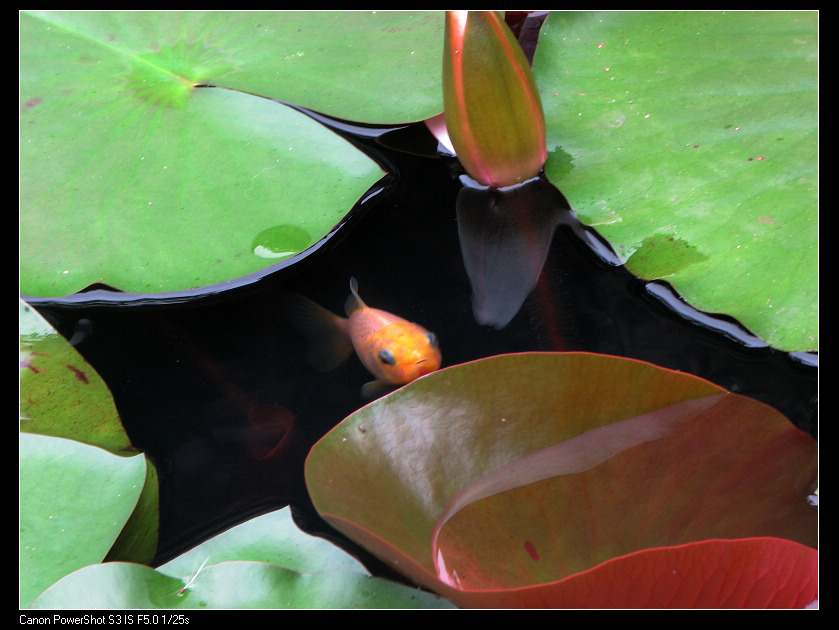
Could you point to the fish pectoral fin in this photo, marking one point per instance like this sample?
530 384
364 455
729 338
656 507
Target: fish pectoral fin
375 389
328 353
328 344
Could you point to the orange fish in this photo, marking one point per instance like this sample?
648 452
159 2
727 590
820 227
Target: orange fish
392 349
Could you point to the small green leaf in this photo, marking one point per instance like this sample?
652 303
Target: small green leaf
74 501
60 393
137 542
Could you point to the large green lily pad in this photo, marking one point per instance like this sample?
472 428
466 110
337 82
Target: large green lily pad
690 141
132 176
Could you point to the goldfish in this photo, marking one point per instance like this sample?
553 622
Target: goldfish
394 350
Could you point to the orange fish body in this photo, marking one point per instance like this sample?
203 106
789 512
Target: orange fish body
392 349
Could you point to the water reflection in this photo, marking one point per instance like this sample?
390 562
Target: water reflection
505 235
273 431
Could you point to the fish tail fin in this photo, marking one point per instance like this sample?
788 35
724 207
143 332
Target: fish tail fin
326 333
354 301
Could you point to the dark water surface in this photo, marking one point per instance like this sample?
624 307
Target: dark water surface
213 385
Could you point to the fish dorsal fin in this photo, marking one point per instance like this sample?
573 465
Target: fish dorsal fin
354 301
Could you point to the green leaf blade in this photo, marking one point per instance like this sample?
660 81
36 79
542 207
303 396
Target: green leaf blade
193 191
263 563
61 395
699 127
59 481
132 176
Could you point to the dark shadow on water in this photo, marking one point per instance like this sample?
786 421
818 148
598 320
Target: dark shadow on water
214 387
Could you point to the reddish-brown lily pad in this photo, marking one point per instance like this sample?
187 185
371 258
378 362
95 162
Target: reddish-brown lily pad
577 480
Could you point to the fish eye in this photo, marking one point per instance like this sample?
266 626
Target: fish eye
432 339
385 356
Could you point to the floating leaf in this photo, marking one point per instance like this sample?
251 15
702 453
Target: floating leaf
61 395
74 501
263 563
272 538
651 460
133 176
693 144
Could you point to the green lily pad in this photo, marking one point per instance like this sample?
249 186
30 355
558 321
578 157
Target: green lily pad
690 141
61 395
74 501
232 585
263 563
505 481
273 538
134 177
137 542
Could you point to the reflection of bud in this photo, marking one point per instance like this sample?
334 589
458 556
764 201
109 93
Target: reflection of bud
492 108
505 235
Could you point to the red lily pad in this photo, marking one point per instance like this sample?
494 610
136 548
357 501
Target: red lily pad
577 480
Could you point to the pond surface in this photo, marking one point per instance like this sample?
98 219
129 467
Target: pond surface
214 387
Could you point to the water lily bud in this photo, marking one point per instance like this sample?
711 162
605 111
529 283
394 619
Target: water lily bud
492 107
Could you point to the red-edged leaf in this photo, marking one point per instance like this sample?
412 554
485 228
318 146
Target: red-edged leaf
574 456
743 573
714 465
